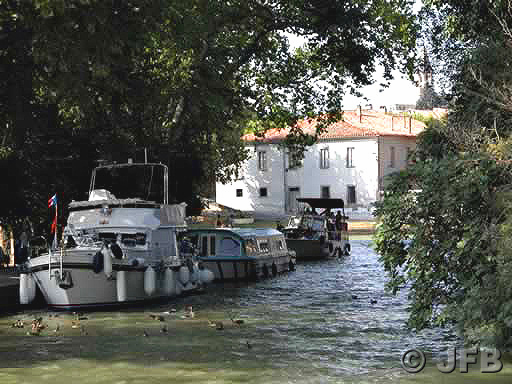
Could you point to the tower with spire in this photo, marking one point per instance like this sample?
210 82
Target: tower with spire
424 74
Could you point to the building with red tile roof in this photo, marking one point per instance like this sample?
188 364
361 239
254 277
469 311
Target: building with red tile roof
349 160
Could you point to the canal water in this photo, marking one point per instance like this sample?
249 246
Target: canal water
327 322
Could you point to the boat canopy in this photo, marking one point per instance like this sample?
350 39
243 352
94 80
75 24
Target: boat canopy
240 232
322 203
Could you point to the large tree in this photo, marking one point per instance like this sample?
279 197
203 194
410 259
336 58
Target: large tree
90 79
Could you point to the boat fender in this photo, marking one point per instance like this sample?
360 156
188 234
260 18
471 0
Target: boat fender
178 288
169 282
116 250
149 280
107 261
121 285
184 275
347 249
264 270
291 265
206 276
97 262
274 269
322 240
331 249
24 289
194 276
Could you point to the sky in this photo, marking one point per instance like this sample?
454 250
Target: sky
400 91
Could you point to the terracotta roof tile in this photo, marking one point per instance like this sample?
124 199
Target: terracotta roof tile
371 123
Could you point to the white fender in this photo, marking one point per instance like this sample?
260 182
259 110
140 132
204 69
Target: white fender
184 275
32 288
169 282
194 277
206 276
121 285
149 281
178 288
107 261
24 288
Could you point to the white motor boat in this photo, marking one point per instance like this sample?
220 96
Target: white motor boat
119 246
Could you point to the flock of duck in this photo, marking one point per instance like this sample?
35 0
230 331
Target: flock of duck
37 325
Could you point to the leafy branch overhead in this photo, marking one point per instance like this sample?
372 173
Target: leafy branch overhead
103 79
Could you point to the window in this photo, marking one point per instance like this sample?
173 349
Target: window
229 247
350 158
279 245
325 192
392 157
294 160
324 158
250 247
204 248
263 192
264 246
262 160
351 194
212 245
239 193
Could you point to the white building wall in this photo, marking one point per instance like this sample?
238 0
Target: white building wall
400 145
309 178
363 175
253 179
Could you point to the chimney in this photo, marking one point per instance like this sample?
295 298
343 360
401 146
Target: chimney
360 113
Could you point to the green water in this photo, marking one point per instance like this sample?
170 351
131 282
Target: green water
316 325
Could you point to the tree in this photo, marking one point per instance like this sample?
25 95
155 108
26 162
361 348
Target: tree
104 79
446 219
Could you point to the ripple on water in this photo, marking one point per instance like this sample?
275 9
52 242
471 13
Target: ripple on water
317 324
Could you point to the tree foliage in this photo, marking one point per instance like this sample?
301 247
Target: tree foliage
446 219
84 80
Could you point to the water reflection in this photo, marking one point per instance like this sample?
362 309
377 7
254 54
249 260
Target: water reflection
330 321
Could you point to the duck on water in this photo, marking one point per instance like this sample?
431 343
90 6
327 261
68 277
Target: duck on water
120 246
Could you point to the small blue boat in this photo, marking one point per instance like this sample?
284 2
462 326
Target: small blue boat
241 253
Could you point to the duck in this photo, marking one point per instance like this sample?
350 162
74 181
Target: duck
219 325
237 321
18 324
189 314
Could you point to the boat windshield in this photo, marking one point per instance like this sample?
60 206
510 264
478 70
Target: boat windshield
133 181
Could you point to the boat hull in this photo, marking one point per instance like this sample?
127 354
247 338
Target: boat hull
306 249
89 289
237 268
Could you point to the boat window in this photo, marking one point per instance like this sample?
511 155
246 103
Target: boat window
212 245
250 247
133 239
318 225
279 244
229 247
107 236
204 248
264 246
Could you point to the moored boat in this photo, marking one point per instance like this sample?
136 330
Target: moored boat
118 248
242 253
313 235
